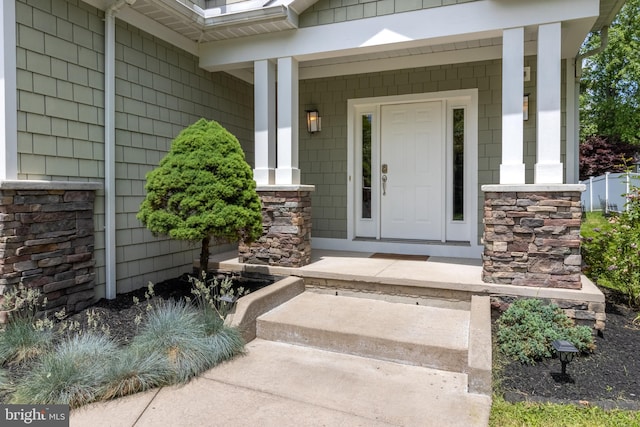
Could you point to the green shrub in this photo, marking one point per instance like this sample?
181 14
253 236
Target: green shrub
612 254
203 188
529 326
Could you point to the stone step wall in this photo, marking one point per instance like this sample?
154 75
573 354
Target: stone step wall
47 240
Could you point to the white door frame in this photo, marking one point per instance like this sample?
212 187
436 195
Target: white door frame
465 230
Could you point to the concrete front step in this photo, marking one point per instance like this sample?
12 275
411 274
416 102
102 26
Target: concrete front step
433 337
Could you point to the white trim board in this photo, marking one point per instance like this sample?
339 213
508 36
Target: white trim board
448 24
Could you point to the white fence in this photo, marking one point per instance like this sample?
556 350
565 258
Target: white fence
608 192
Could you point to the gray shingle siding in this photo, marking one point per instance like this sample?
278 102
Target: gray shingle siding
159 91
332 11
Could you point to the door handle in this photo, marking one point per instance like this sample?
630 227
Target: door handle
384 185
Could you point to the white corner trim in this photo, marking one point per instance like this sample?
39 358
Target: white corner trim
8 92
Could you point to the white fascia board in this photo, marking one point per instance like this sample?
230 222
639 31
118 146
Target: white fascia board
486 53
413 61
389 32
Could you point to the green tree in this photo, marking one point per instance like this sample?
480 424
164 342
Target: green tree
610 91
203 188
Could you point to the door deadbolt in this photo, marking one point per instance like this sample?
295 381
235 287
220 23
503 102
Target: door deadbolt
384 168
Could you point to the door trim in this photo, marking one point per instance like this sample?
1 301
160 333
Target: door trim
468 99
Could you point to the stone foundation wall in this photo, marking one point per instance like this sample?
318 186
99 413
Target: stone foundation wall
47 240
532 235
286 222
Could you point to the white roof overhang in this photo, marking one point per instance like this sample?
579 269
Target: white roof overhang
425 37
230 38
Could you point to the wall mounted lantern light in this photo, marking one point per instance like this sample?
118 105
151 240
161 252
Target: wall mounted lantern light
314 121
525 107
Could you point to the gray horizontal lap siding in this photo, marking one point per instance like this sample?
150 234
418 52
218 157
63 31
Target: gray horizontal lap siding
159 91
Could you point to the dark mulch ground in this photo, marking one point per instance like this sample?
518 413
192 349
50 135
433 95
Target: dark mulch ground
608 378
120 313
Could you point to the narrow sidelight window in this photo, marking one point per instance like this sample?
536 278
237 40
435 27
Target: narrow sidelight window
366 165
458 164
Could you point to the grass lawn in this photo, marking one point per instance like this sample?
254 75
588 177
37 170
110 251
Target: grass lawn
593 220
505 414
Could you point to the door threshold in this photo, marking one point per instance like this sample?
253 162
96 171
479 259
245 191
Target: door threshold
413 241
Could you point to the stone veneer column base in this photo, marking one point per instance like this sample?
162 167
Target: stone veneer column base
532 235
47 240
286 223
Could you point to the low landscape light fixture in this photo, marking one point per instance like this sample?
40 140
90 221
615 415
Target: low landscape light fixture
314 121
231 299
566 351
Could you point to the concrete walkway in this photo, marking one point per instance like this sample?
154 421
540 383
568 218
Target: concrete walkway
278 384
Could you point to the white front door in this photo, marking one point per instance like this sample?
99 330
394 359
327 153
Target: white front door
411 171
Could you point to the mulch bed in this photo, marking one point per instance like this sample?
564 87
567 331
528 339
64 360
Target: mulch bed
120 313
608 378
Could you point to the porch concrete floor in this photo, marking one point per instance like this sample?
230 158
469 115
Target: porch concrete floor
444 277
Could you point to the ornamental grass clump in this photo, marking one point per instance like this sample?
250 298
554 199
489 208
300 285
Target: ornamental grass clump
178 331
77 363
134 371
529 326
70 374
21 340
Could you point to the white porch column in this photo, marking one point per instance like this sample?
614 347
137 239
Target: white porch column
512 167
548 168
8 93
573 119
287 172
264 89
